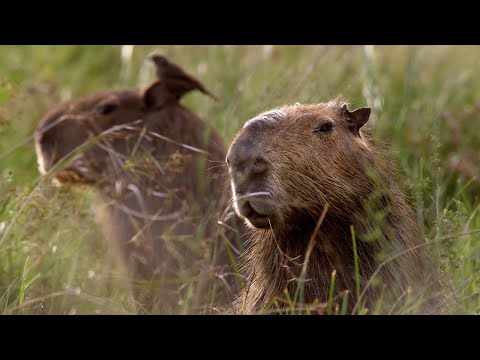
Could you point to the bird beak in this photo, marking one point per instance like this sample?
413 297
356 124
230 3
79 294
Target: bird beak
151 57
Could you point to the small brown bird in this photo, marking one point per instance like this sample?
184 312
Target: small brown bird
176 80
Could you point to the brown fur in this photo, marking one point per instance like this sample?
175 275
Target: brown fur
348 176
149 157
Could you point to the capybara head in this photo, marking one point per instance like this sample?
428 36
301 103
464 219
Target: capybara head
307 179
100 128
296 159
70 126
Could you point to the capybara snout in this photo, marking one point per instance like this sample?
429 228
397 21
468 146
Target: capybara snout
249 170
58 136
70 127
276 144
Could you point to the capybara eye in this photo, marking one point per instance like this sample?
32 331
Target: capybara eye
325 128
107 109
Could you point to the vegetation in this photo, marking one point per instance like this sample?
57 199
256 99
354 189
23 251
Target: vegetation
53 259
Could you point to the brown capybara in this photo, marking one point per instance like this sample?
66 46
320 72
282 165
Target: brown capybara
155 166
323 201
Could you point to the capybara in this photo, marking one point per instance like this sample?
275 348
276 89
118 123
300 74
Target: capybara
155 166
323 201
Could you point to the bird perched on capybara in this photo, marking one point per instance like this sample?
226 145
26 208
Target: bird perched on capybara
153 162
325 207
176 80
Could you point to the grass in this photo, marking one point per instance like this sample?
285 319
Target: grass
53 259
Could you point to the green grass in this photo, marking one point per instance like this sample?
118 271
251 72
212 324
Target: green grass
53 259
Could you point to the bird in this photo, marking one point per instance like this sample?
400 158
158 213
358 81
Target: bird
176 80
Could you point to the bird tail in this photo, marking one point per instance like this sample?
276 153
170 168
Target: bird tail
206 92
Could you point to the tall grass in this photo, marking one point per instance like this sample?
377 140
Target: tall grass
53 259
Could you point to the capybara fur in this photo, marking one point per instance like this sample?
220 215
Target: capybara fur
155 166
321 195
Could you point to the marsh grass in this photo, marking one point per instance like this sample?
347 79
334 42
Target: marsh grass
53 259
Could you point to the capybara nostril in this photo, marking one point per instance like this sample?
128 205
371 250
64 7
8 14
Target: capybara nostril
247 162
247 173
259 164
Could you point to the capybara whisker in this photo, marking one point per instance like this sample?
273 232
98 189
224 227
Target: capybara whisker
216 166
253 194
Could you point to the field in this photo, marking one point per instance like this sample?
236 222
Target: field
424 100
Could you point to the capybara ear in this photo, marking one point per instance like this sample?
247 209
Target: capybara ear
360 116
356 118
156 95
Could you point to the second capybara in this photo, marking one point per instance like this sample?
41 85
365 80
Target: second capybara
329 220
155 166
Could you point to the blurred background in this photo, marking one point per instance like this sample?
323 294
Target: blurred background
425 102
